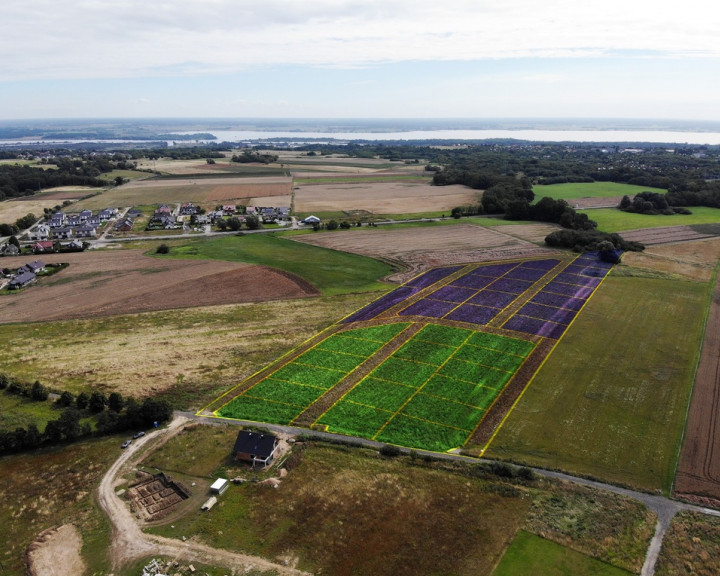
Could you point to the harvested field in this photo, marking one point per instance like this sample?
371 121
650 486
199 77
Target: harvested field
693 260
382 197
698 474
56 551
11 210
534 233
128 282
665 235
202 191
582 203
426 247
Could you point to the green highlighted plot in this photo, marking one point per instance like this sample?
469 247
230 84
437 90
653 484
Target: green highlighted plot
432 392
287 392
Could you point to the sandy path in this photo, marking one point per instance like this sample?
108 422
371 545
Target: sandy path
130 543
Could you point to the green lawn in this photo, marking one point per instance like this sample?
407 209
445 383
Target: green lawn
590 190
331 271
611 399
530 554
613 220
18 412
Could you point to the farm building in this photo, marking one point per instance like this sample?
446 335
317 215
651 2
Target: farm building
255 448
310 220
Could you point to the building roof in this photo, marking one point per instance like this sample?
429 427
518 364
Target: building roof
261 445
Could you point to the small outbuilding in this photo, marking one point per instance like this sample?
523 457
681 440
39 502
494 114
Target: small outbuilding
219 486
255 448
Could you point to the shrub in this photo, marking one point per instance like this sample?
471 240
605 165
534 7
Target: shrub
390 451
162 249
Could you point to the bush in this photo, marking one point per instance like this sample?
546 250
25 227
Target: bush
162 249
390 451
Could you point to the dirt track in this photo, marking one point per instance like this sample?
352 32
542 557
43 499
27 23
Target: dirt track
130 543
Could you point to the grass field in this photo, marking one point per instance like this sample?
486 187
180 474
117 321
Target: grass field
18 412
594 406
571 191
51 487
612 220
531 554
331 271
349 511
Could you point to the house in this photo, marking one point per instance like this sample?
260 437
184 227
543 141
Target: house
134 213
21 280
9 250
84 231
40 232
84 215
163 209
62 233
255 448
188 209
73 245
94 221
229 209
43 246
57 220
35 266
73 220
106 214
124 224
283 213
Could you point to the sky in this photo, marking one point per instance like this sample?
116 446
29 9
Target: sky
360 59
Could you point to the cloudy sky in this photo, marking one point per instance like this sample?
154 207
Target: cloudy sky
360 58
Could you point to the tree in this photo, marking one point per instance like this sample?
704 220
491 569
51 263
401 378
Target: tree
8 230
345 225
234 223
221 224
82 401
38 392
332 225
162 249
154 410
26 221
14 241
66 399
97 402
252 222
210 161
119 181
116 402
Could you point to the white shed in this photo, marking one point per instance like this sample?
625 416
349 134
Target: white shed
219 486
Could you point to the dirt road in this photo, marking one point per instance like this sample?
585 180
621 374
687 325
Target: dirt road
130 543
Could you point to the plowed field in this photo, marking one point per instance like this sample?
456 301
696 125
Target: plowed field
127 282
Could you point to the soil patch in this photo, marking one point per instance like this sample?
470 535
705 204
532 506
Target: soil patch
665 235
128 282
56 551
418 249
382 197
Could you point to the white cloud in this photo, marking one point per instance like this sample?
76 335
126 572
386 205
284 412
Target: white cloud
129 38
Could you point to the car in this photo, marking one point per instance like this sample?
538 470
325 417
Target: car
126 443
139 435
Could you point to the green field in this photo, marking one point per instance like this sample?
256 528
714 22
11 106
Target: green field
330 271
590 190
531 554
17 412
613 220
431 392
288 391
611 399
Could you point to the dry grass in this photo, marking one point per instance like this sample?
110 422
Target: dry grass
694 260
189 355
691 546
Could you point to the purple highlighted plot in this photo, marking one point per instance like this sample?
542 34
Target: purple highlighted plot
545 265
509 285
473 281
558 301
494 270
559 315
429 308
586 270
528 274
535 326
473 314
453 294
431 276
492 299
567 289
577 279
381 304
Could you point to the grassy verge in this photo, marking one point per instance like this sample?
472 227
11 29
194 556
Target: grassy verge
590 190
610 401
530 554
613 220
331 271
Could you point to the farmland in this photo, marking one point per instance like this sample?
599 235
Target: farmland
436 377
